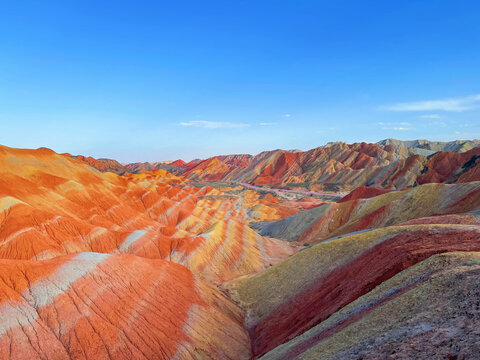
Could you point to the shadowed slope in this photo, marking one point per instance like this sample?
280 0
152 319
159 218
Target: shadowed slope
451 167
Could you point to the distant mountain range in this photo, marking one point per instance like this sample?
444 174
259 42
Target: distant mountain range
336 166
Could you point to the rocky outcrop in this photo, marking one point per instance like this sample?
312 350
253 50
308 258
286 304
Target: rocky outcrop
433 146
339 166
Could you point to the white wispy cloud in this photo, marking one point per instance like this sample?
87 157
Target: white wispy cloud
287 115
430 116
213 124
397 126
458 104
267 124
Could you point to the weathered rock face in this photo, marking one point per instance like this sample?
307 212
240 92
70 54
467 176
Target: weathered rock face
171 166
292 167
342 166
101 306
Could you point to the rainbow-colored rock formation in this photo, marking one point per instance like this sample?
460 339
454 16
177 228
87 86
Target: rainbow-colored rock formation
90 261
240 256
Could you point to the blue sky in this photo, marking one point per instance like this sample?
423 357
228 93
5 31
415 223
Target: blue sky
158 80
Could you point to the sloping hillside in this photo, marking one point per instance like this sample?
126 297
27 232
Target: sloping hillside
309 287
100 306
395 207
53 205
429 311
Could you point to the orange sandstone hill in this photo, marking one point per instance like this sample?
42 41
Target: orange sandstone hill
100 260
93 262
114 306
53 205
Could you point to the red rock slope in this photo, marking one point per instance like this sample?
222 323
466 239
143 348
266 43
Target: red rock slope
100 306
452 167
311 286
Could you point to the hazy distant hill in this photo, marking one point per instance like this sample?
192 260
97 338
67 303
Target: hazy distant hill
434 146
